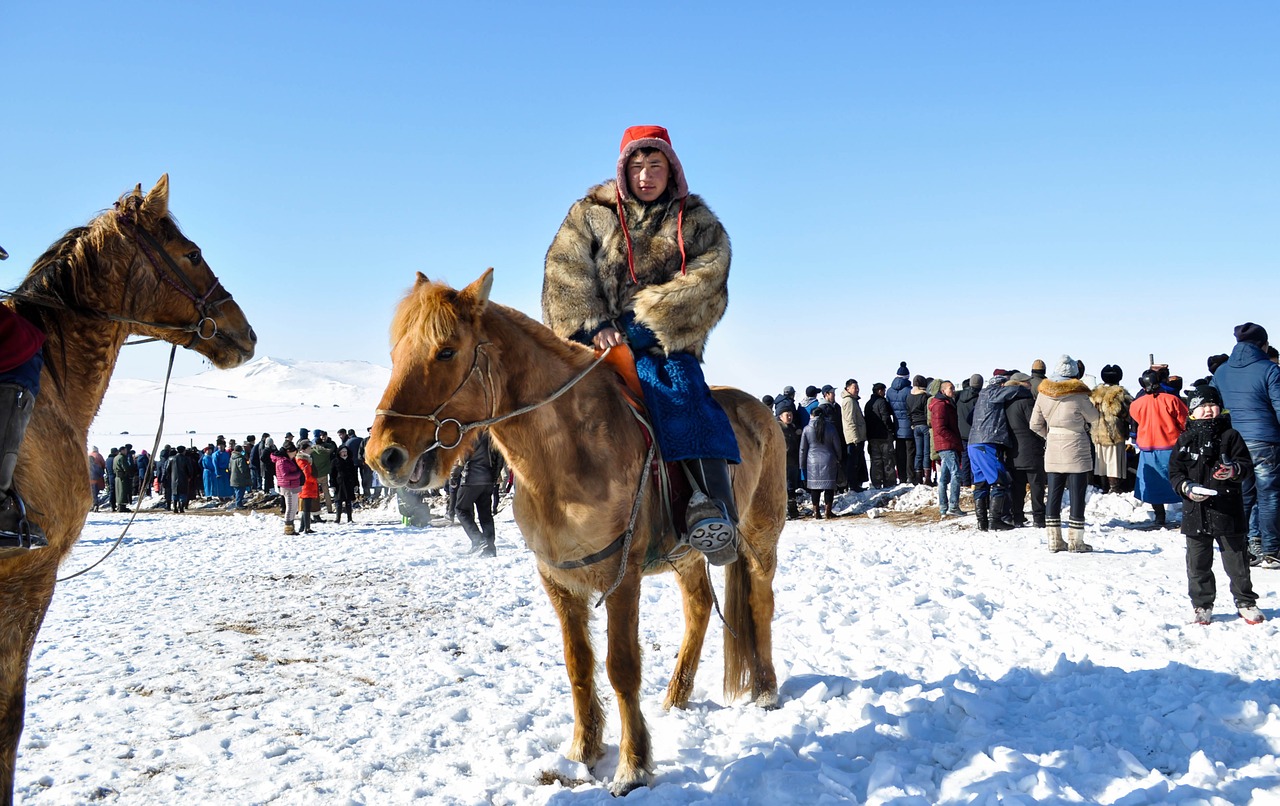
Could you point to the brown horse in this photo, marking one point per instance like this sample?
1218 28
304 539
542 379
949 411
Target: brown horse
459 359
129 271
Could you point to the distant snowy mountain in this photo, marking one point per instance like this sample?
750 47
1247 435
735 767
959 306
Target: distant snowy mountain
268 395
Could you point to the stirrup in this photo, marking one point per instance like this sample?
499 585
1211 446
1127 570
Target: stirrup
26 537
710 531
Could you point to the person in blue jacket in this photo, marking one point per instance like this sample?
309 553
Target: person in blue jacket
1250 387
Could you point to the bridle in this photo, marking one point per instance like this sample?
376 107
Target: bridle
463 428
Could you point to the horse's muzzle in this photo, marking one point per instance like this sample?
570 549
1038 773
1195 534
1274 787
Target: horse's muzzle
393 462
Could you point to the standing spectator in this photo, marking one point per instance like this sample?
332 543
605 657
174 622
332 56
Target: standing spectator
903 439
988 439
1160 417
209 468
1025 458
917 406
109 471
322 453
97 472
802 414
1063 415
880 430
946 440
367 476
222 475
820 454
131 469
1250 387
480 471
785 411
309 494
253 458
265 448
854 425
289 481
1112 430
1208 465
145 471
1037 377
180 478
162 474
124 487
240 477
966 399
346 480
810 402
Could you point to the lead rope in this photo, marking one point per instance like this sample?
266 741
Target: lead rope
645 470
151 463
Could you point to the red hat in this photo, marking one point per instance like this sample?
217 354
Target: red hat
638 137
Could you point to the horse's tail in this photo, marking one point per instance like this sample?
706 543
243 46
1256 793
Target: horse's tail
741 652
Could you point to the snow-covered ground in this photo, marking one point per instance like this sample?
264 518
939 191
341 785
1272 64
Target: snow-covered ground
214 660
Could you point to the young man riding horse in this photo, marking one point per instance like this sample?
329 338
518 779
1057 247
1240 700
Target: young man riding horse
640 260
20 364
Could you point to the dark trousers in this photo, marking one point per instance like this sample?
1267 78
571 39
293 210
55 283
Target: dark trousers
904 456
1076 483
1201 584
476 501
966 470
855 465
1022 479
818 496
882 462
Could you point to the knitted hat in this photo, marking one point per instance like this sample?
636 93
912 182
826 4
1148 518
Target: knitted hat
1065 368
903 372
1112 374
784 405
638 137
1037 366
1250 332
1201 395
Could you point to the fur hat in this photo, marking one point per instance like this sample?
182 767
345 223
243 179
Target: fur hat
1216 361
638 137
1037 366
1201 395
1112 374
1257 334
903 372
1065 369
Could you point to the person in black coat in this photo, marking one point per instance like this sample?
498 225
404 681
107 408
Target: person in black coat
966 399
882 424
785 411
1212 456
1026 459
179 470
346 481
480 472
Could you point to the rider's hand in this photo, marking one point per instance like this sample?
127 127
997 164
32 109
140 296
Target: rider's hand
608 337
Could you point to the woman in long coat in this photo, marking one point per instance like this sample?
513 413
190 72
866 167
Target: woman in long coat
820 449
346 479
640 260
1063 415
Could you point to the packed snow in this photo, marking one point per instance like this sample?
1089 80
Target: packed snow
213 659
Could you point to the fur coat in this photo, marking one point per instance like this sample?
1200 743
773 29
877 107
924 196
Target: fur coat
1112 402
587 284
1063 415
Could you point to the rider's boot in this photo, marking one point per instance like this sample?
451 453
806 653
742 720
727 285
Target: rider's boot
17 533
712 517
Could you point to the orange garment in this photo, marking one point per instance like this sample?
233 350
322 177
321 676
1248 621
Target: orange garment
1161 420
310 488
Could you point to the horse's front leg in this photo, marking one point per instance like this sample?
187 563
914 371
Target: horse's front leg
579 660
25 592
625 666
695 586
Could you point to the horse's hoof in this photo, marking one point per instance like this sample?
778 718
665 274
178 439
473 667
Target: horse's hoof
768 700
624 786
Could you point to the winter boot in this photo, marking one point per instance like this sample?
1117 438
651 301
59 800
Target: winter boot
1113 485
982 508
793 509
1053 529
488 548
827 511
288 528
711 517
17 533
1075 538
1160 516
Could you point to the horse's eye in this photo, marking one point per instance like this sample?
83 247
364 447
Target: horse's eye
445 355
194 257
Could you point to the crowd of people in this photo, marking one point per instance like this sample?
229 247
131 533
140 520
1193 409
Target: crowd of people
1036 440
313 474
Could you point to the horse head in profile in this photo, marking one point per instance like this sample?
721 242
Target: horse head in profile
438 351
133 266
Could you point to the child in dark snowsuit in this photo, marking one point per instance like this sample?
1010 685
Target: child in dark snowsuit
1211 456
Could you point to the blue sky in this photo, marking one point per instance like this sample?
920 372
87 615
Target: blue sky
958 185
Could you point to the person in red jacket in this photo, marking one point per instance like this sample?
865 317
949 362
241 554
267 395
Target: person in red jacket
946 441
1161 417
21 360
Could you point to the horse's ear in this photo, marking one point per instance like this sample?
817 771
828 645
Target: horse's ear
478 291
155 205
422 279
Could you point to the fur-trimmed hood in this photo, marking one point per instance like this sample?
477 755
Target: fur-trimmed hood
1071 386
587 283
